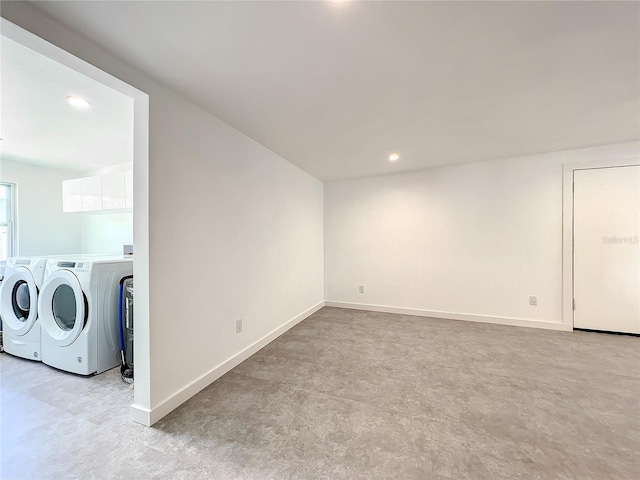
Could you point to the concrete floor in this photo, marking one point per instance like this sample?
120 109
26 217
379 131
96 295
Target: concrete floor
350 394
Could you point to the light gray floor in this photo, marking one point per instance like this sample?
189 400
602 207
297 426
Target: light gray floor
349 394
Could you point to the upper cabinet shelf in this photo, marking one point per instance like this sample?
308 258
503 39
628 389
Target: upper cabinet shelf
109 193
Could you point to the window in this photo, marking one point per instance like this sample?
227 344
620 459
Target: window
7 220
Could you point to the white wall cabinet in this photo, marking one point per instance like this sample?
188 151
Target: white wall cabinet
72 195
113 197
111 192
91 194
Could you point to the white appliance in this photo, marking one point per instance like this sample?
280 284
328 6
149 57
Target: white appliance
79 307
23 279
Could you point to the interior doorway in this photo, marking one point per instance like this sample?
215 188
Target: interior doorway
140 146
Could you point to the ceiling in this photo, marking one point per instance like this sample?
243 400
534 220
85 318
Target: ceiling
335 87
40 127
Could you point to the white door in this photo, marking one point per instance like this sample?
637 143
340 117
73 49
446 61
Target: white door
606 250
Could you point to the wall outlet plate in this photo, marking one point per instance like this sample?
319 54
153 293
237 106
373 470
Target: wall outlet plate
238 326
533 300
361 289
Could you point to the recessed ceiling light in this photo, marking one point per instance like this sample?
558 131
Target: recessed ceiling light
78 102
394 157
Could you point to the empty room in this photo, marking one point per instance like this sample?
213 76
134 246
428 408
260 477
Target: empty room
325 239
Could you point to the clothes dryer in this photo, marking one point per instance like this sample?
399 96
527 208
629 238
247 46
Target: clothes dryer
79 306
19 292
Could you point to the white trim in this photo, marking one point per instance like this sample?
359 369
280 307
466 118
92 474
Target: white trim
567 225
149 417
467 317
141 188
140 415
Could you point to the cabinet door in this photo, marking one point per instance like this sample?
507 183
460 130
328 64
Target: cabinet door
72 195
91 194
113 191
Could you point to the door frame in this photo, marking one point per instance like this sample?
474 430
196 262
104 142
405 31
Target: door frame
568 170
142 356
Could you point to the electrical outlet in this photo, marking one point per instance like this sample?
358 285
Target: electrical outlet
361 289
238 326
533 301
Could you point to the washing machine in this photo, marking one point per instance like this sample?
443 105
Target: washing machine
19 291
78 312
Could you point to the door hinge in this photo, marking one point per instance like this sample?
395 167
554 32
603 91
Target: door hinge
574 303
573 187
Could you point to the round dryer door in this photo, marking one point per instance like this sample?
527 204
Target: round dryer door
63 308
19 301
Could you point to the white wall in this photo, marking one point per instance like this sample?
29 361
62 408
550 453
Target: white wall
235 231
43 229
106 233
468 240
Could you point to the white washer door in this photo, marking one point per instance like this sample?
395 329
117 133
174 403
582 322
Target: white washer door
63 309
19 301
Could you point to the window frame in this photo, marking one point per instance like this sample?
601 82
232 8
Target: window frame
12 219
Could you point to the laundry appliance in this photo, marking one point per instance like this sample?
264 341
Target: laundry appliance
79 311
19 292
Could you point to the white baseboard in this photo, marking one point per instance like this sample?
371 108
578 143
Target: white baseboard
515 322
140 415
149 417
